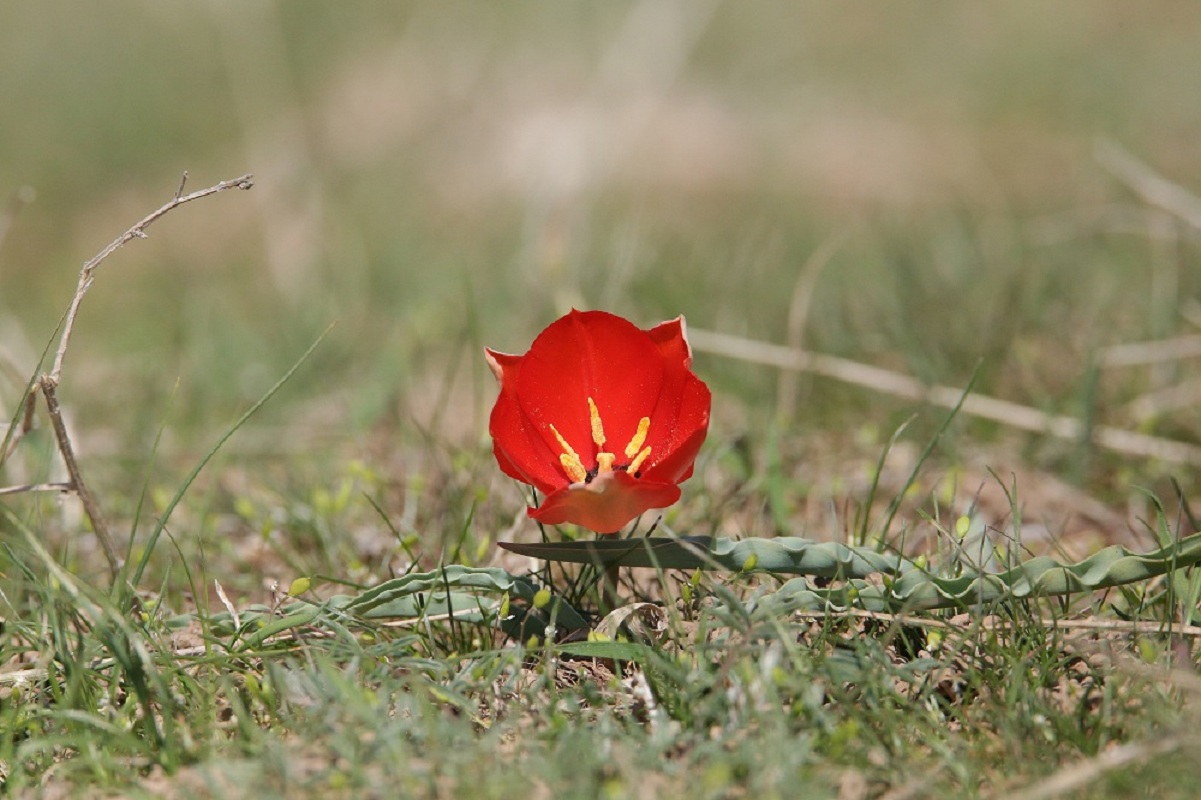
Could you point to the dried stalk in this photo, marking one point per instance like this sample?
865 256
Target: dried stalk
1137 354
36 487
1153 188
47 383
977 405
136 232
90 506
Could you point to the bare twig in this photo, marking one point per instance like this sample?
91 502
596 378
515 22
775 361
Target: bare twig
136 232
22 677
36 487
47 383
977 405
90 506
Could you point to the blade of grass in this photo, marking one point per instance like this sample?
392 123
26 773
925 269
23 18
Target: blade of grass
865 518
895 505
150 462
166 515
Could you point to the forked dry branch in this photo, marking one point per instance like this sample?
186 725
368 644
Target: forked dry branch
47 383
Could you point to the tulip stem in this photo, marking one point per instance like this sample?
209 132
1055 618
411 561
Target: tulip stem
608 588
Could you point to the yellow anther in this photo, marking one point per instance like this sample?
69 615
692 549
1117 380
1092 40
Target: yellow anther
636 464
563 443
639 439
573 467
598 432
570 459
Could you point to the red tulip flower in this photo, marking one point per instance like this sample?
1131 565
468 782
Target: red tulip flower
603 418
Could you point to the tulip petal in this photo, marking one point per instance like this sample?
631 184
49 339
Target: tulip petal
688 424
671 337
520 450
592 391
589 354
606 504
681 416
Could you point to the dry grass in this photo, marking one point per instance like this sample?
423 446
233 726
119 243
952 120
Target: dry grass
918 192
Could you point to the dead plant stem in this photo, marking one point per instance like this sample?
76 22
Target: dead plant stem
36 487
47 383
138 231
90 506
898 384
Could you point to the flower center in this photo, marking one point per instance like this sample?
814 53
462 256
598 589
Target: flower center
635 453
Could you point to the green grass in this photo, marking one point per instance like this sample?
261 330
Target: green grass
434 178
749 704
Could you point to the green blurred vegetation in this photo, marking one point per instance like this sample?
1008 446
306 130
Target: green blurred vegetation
439 175
434 177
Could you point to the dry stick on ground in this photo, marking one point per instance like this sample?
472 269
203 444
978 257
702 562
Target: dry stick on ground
1150 405
35 487
1153 188
47 383
976 405
1138 354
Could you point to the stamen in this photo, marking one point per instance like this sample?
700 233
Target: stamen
604 462
636 464
598 433
563 443
573 467
570 459
639 439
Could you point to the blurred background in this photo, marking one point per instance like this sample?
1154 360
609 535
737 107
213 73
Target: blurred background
925 187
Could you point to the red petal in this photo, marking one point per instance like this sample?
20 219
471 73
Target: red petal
671 338
520 450
681 417
590 354
607 504
685 438
630 374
